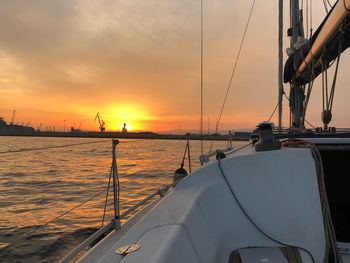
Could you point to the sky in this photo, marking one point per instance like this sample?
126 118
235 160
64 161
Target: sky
138 62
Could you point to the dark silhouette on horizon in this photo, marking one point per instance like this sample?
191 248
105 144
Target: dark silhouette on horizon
124 128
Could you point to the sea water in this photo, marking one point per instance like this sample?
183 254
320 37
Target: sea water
38 186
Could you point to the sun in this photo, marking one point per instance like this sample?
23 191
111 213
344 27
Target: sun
133 117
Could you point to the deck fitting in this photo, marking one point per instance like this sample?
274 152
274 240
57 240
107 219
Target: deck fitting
267 141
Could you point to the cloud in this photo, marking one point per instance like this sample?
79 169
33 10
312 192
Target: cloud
85 54
66 44
78 54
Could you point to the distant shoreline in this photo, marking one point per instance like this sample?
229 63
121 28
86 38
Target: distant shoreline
239 136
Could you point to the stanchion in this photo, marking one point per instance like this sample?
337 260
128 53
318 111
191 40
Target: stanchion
116 189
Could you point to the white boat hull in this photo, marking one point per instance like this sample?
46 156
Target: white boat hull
200 221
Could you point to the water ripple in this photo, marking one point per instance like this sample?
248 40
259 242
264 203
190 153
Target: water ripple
37 187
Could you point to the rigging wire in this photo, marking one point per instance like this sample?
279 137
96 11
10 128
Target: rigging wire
280 64
187 150
304 119
58 146
310 124
309 90
310 18
328 96
235 65
36 228
341 43
329 3
201 77
106 200
325 5
308 15
234 70
273 112
307 18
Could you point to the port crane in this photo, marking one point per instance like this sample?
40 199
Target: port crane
100 121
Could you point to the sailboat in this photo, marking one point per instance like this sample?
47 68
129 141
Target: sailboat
282 198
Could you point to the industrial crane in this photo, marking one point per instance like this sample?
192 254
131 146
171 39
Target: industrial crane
100 121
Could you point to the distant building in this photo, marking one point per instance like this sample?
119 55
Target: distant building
2 122
14 129
72 129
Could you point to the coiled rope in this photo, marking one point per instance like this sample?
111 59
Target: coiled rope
328 225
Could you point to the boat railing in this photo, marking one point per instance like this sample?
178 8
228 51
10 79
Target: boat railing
204 158
111 225
115 222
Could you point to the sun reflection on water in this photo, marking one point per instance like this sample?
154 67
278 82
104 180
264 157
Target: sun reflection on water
35 187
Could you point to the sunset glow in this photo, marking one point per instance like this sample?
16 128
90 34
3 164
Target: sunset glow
61 63
130 114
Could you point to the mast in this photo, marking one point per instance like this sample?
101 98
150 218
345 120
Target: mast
309 58
296 91
280 62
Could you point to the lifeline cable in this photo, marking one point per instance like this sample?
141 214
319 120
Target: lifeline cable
54 219
240 148
59 146
51 147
